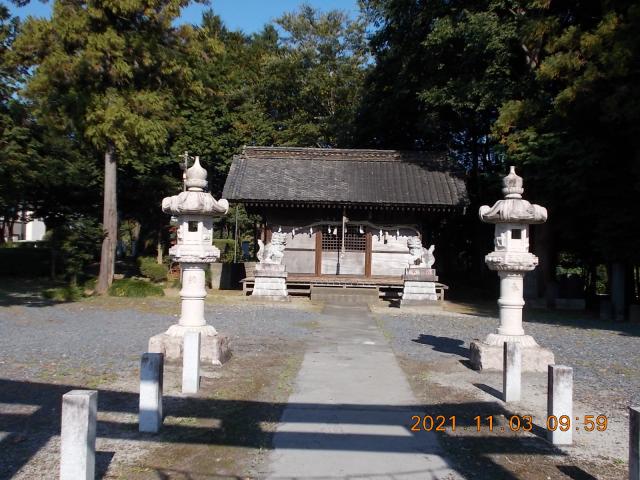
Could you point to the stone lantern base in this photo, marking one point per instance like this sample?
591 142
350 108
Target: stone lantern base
214 347
487 355
419 287
270 282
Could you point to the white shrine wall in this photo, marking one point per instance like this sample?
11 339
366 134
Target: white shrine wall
390 253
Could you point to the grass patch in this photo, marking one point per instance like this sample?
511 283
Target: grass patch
133 287
150 268
69 293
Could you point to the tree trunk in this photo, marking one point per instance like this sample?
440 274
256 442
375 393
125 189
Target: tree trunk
53 263
109 223
135 239
159 248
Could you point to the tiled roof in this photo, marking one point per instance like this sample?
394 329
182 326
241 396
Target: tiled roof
343 176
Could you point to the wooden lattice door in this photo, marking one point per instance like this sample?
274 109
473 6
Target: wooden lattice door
350 260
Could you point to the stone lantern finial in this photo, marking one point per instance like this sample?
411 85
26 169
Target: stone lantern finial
512 184
196 177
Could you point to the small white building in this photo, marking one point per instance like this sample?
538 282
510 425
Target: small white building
27 231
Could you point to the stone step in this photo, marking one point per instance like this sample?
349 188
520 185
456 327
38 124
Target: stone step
344 296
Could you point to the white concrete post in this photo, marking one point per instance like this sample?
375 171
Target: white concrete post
191 363
634 443
151 376
559 404
511 372
78 435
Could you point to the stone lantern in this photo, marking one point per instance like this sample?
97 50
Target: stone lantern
195 210
512 260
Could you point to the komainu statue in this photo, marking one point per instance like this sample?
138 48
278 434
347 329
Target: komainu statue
273 252
419 255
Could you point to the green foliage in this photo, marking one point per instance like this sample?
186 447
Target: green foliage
111 68
312 83
226 246
90 283
134 287
576 133
442 71
77 242
150 268
69 293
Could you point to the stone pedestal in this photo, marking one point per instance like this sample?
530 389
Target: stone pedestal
214 347
488 355
419 287
270 282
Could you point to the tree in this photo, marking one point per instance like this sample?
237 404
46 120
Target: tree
442 71
313 82
15 141
226 113
107 73
577 133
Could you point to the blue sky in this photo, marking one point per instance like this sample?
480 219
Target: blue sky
247 15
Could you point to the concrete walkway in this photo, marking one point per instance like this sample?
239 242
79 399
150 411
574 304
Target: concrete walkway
349 416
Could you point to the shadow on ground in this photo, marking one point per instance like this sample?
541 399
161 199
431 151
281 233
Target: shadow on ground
444 344
25 292
240 424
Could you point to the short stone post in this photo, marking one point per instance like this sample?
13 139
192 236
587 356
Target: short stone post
151 376
511 372
559 404
78 435
191 363
634 443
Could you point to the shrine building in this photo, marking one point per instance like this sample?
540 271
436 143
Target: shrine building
348 214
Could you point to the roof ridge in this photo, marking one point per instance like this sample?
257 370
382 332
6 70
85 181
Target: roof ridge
360 154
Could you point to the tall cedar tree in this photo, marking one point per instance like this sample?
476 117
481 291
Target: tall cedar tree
109 72
15 143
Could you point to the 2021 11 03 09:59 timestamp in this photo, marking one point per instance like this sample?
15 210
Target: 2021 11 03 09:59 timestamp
514 423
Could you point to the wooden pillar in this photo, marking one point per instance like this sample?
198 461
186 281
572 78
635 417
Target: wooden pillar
255 238
367 254
319 252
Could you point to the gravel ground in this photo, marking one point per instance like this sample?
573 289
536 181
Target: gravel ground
605 356
46 349
81 335
50 344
